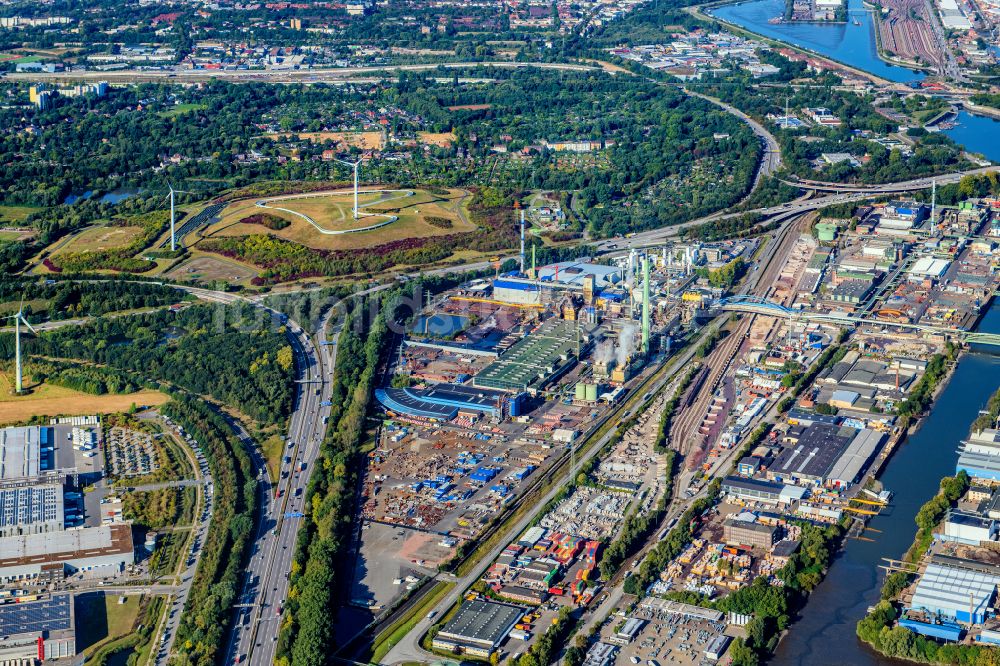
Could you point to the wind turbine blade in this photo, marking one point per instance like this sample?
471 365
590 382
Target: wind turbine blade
30 327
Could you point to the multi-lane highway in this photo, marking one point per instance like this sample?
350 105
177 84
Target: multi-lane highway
265 583
771 160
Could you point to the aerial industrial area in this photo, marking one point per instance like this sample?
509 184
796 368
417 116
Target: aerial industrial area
783 423
577 333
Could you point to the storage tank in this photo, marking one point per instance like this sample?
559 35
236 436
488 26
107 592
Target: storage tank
591 392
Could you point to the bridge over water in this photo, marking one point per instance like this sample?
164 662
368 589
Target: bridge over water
762 306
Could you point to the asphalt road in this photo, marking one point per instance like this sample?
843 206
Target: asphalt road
274 75
265 583
409 650
771 161
845 195
192 556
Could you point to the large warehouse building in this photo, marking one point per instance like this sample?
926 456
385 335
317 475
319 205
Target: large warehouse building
478 628
22 452
541 357
30 556
956 589
37 630
979 456
825 454
443 402
31 509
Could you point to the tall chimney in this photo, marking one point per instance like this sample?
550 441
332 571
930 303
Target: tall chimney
645 305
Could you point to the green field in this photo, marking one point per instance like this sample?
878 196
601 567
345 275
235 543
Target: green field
49 400
180 109
99 617
415 214
16 214
100 238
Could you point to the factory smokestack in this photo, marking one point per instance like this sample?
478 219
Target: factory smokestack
645 305
626 341
522 242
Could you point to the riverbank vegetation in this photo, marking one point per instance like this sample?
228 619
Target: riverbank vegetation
772 607
922 394
879 629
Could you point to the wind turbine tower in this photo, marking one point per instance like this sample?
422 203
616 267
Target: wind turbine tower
353 165
173 216
18 318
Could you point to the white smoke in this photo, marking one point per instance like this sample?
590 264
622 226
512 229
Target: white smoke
626 344
605 352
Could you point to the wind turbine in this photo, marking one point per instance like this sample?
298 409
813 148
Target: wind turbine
173 237
18 318
355 166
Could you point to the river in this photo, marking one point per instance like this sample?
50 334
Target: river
850 44
978 134
825 632
854 45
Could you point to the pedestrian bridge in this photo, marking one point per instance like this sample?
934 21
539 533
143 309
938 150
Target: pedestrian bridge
762 306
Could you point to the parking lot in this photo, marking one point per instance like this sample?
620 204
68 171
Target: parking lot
130 453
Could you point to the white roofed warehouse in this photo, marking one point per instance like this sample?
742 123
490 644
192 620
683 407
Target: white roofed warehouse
478 628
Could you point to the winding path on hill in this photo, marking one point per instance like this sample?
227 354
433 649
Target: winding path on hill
389 219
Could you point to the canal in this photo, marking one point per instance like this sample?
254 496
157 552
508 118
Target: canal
848 43
854 45
978 134
824 634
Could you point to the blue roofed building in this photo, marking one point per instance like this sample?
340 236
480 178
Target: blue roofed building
945 631
444 402
979 456
954 589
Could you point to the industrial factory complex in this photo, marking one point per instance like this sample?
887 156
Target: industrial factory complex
774 426
63 532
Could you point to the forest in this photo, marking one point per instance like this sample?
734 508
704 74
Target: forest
656 143
52 300
230 353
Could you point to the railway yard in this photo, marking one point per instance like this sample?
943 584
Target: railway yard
770 431
905 32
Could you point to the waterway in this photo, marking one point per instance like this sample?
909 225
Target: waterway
850 44
978 134
854 45
112 197
824 635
